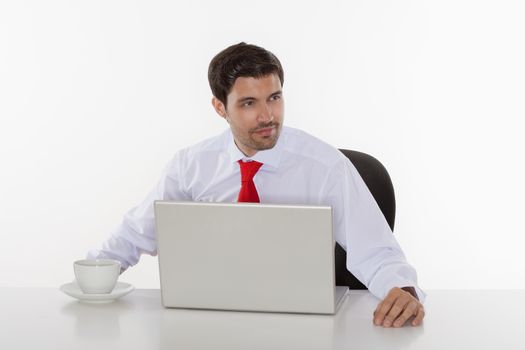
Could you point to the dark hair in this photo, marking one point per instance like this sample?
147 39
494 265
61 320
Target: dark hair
240 60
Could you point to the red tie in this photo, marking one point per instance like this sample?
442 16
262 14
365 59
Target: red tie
248 191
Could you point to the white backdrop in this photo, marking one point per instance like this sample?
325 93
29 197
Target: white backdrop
96 96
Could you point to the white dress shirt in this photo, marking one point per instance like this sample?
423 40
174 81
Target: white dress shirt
299 169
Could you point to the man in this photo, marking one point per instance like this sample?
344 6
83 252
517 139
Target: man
277 165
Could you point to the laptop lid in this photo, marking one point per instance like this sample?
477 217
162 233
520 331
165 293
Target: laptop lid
246 256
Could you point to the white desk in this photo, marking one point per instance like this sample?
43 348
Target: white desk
34 318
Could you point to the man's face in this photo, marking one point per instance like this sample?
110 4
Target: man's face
255 112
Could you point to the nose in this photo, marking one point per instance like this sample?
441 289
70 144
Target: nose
265 114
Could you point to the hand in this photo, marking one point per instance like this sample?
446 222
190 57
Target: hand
397 308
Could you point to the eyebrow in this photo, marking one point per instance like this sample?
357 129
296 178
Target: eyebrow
249 98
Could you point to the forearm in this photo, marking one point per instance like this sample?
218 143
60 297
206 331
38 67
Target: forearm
126 244
382 268
136 234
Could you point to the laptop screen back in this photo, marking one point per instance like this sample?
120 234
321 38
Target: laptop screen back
245 256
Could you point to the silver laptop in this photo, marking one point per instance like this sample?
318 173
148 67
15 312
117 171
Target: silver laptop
245 256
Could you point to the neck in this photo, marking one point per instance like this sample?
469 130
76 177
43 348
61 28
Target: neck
248 152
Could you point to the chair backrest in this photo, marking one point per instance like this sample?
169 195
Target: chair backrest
380 185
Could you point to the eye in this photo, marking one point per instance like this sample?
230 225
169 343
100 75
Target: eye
247 104
276 97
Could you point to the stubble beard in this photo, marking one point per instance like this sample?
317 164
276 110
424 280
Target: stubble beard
261 143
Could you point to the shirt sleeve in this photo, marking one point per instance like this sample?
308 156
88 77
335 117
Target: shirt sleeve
136 233
374 256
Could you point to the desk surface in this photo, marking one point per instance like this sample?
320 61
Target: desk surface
39 318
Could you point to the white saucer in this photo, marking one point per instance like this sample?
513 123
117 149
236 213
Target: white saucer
73 290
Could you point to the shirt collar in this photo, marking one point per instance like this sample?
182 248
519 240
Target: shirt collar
270 157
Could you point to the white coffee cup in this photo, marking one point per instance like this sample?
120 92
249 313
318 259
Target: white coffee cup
97 276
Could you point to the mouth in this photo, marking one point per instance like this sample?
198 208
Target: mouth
268 131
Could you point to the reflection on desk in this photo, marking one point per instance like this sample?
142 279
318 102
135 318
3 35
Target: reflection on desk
200 329
46 318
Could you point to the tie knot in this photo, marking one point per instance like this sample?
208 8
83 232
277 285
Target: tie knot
248 170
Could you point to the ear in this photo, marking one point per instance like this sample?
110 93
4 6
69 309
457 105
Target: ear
219 107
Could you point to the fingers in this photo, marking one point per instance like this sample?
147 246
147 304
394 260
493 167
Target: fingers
419 316
397 308
381 311
394 312
383 308
410 310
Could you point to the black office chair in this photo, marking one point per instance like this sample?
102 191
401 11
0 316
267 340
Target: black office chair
378 181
